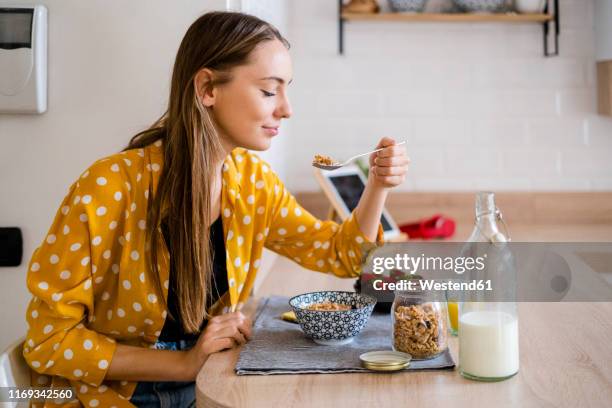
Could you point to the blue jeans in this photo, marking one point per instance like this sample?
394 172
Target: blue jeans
166 394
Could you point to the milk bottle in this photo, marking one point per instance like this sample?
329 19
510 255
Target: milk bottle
488 322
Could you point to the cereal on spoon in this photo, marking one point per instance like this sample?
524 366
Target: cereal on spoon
323 160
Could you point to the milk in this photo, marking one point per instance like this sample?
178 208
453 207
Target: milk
488 344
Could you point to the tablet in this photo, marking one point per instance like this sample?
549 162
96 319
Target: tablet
343 187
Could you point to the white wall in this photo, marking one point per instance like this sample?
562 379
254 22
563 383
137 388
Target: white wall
478 104
109 71
603 30
275 12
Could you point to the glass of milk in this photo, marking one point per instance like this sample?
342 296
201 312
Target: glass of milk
488 322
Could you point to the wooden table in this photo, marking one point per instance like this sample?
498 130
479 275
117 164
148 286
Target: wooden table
566 361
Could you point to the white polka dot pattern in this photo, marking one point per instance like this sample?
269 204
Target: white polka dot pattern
88 276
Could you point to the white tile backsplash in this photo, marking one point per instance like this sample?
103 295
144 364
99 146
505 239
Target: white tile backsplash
536 162
598 132
500 133
412 104
577 101
588 163
472 162
511 184
557 132
576 14
426 162
479 104
561 183
601 184
428 133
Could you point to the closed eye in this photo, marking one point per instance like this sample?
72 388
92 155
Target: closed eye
266 93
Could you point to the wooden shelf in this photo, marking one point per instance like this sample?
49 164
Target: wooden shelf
455 17
550 16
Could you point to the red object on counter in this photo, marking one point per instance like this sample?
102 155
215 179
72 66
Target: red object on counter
437 226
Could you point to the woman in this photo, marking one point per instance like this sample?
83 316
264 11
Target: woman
152 252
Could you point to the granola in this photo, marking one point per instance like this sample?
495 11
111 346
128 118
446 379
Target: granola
324 160
328 306
419 330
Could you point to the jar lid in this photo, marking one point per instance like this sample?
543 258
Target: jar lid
385 360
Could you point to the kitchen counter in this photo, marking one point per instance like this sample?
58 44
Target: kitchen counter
546 232
565 358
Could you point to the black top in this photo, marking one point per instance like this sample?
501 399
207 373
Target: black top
173 329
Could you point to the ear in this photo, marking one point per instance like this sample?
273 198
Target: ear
204 89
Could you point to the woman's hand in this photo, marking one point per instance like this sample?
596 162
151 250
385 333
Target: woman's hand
222 332
388 167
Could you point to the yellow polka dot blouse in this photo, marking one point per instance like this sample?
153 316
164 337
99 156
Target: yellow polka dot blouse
90 281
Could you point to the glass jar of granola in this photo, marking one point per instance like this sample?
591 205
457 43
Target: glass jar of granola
420 323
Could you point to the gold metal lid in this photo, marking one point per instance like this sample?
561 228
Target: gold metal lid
385 360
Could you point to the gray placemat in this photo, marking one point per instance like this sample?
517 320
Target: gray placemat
280 347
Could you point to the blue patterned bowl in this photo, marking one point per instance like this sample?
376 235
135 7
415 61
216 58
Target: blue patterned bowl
407 5
332 327
480 5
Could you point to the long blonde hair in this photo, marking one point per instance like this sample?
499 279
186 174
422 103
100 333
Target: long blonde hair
218 41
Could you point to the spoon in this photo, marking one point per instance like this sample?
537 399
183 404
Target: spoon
337 165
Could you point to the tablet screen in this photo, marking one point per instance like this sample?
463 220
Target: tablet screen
350 187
